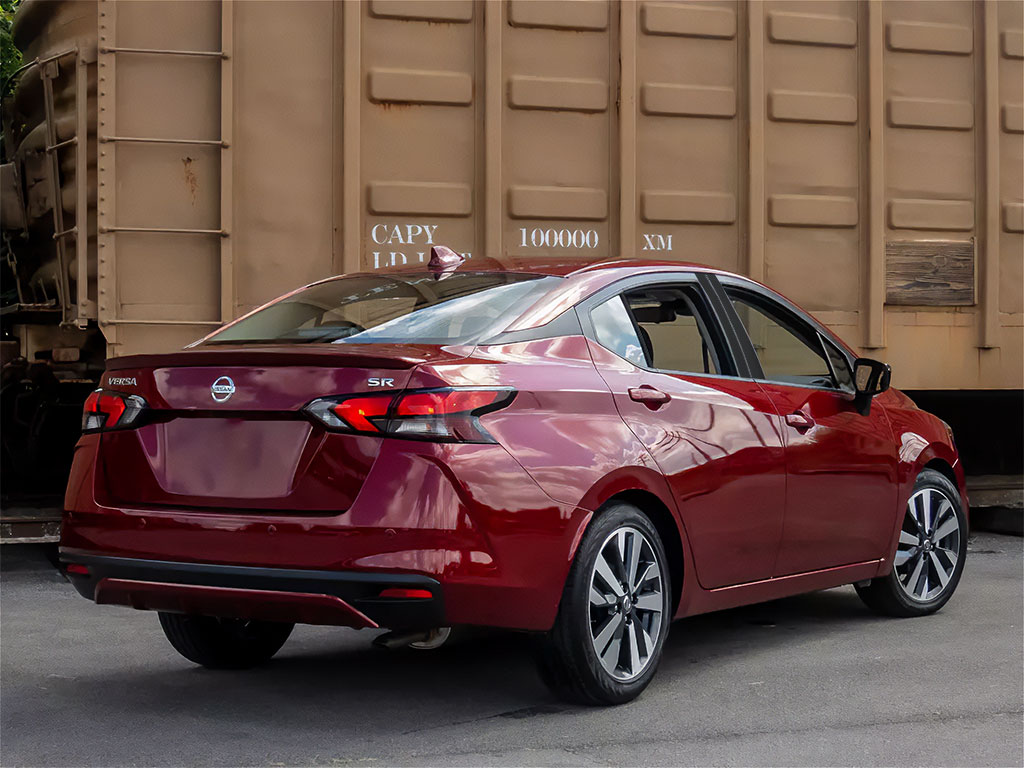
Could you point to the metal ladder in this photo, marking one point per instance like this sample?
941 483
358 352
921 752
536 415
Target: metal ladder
106 179
49 70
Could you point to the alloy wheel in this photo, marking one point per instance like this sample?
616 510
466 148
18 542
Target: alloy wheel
626 602
929 545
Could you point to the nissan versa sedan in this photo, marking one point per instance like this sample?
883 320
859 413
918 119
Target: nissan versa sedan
585 452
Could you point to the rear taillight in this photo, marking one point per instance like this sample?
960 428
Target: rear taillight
111 410
352 414
445 415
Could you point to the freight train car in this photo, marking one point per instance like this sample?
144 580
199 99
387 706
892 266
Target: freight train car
170 165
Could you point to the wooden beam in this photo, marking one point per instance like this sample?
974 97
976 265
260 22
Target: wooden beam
351 199
494 105
937 273
84 308
106 178
874 294
627 127
227 119
990 253
756 159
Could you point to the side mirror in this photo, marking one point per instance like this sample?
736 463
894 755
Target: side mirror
870 377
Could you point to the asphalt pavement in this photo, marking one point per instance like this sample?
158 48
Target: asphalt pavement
810 680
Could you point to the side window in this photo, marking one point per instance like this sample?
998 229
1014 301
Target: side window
788 349
615 330
672 330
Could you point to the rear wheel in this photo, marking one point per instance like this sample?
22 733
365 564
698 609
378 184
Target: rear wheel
930 553
614 615
224 643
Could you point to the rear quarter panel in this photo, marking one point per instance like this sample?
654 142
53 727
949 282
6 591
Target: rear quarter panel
562 427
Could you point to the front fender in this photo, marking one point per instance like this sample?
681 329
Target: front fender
922 440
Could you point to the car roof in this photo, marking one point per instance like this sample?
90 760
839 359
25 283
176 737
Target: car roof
573 267
597 273
560 266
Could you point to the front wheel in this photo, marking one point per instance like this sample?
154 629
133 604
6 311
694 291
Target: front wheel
930 553
224 643
614 615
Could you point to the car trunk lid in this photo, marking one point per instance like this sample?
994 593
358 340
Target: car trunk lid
226 430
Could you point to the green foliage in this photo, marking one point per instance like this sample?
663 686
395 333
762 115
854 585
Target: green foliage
10 57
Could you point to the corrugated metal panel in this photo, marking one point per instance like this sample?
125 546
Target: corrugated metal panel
159 171
798 142
418 130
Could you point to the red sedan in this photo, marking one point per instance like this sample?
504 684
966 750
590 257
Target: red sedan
585 452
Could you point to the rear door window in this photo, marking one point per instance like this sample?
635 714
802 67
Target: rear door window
667 328
615 331
673 330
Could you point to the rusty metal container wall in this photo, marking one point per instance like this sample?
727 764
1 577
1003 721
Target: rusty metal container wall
864 158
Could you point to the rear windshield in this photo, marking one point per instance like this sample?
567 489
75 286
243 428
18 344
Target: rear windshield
407 308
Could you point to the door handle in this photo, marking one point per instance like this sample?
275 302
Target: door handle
800 420
649 396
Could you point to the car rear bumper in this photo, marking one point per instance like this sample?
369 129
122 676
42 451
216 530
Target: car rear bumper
465 516
351 599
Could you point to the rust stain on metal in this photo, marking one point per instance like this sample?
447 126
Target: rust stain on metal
191 179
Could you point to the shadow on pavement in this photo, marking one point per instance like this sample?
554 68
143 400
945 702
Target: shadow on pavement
490 674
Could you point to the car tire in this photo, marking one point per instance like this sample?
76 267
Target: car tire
595 614
930 553
224 643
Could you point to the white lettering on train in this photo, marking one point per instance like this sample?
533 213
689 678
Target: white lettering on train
656 242
402 259
558 238
391 234
403 234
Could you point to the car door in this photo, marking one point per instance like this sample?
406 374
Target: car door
715 437
840 463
